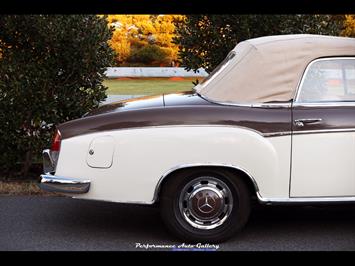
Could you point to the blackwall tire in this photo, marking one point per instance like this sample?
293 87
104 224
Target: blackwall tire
205 205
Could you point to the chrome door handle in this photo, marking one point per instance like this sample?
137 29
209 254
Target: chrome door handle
301 122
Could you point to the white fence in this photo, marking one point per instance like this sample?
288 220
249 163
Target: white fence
153 72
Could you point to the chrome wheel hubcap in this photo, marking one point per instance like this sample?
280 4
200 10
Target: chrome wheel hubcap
206 202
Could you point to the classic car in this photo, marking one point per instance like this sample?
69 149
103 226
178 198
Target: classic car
274 123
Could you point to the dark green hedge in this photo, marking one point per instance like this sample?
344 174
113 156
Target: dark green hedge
51 71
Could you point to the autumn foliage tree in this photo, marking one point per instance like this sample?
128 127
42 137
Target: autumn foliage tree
135 35
349 26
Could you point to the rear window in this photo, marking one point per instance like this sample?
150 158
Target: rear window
219 68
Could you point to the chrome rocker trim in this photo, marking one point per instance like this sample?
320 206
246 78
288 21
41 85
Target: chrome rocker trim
60 184
305 200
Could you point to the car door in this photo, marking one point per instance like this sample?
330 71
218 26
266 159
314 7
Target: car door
323 130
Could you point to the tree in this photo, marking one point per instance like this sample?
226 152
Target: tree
205 40
51 70
349 26
148 55
134 32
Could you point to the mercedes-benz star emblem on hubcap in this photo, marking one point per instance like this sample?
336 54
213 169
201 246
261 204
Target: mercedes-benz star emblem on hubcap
206 204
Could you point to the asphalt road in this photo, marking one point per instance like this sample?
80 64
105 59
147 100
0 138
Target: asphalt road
58 223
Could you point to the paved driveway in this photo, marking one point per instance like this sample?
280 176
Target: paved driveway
58 223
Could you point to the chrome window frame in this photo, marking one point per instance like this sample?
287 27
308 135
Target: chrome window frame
252 105
296 101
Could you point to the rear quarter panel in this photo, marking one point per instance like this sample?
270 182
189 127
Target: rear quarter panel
142 156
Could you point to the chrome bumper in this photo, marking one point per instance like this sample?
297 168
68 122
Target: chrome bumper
54 183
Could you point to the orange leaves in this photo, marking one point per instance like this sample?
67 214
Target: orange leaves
349 26
132 32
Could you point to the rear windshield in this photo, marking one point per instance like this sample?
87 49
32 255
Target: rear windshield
219 68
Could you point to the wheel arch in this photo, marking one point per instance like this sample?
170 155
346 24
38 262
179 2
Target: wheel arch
247 177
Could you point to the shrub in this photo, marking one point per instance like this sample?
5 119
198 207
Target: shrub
148 55
51 71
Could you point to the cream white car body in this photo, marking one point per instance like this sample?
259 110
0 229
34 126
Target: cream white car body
140 160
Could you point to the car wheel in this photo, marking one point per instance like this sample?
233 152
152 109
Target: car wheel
208 205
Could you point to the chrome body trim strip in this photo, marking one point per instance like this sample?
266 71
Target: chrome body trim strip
277 134
252 105
304 200
316 131
183 166
319 131
60 184
325 104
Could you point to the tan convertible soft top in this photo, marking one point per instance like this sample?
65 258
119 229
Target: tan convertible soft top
268 69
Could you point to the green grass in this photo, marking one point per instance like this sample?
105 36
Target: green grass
146 86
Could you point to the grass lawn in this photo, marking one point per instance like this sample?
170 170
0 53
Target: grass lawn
147 86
